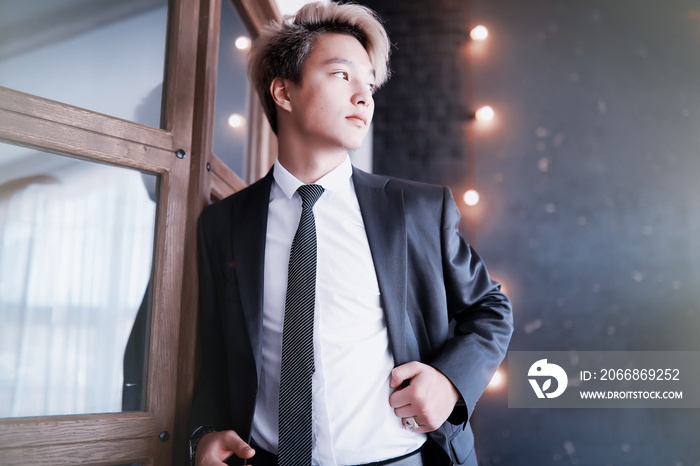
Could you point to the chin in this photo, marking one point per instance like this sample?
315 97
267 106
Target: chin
353 145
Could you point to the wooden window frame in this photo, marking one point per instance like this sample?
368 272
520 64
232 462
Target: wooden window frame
58 128
157 435
212 180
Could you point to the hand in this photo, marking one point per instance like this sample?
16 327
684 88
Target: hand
429 396
216 447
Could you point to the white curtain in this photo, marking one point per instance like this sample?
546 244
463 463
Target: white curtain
75 260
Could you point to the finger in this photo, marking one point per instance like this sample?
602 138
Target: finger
403 372
400 398
425 427
422 430
422 427
235 444
406 412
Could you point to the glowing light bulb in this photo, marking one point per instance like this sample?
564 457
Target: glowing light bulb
471 197
242 43
496 380
484 113
479 33
236 120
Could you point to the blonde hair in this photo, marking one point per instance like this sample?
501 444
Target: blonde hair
282 48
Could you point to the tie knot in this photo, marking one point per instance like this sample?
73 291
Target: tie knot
309 194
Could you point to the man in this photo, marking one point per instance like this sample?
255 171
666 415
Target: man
405 324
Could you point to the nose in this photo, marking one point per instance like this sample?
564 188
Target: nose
362 96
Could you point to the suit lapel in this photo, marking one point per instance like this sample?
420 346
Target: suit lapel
248 242
384 216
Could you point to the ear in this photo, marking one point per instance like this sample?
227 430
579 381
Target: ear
279 89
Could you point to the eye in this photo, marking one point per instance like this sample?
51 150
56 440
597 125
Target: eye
371 87
341 74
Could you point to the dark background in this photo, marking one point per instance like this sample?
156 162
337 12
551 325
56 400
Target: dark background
589 179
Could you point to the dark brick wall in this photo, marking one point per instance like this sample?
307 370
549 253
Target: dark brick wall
419 126
589 191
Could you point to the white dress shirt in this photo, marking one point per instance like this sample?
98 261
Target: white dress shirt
352 420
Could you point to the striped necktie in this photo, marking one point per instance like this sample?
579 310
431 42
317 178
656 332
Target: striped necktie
295 438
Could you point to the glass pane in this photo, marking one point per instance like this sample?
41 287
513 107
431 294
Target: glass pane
231 107
101 55
76 247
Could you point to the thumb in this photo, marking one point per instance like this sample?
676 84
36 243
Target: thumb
403 373
233 443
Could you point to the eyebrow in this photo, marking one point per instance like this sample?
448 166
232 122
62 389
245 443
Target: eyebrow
344 61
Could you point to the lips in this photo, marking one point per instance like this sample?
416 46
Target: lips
359 120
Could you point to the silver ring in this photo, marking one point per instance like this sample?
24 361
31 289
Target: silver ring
410 424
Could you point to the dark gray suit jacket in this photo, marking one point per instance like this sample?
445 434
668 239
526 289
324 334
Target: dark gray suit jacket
441 306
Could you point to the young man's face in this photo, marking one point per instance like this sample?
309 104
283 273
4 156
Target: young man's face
333 106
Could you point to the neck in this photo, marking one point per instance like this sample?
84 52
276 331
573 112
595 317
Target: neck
306 163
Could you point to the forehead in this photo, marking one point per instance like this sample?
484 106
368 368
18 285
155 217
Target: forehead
333 48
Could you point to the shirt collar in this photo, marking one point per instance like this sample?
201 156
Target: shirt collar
335 180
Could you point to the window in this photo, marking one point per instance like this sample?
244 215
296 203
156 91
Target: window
100 97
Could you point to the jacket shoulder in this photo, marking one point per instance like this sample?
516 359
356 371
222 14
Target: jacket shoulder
394 183
231 205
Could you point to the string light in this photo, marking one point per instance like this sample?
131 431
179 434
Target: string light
243 43
496 381
479 33
236 120
471 197
484 113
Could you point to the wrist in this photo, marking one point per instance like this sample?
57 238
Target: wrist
196 436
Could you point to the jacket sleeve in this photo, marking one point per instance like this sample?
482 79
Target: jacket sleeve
480 316
210 401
